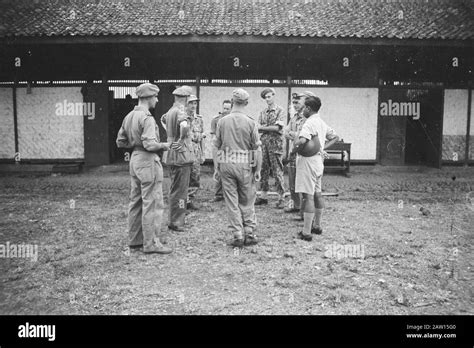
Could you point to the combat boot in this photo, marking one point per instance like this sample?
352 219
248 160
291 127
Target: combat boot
304 237
192 206
176 228
158 249
138 247
250 238
237 243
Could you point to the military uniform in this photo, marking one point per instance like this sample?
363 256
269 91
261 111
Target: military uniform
180 161
272 148
293 127
140 132
214 122
197 136
237 134
218 186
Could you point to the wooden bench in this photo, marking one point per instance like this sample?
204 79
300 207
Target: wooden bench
339 148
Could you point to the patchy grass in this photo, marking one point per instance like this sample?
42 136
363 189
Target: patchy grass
413 264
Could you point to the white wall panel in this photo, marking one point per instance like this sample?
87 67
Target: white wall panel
42 133
352 113
7 126
454 124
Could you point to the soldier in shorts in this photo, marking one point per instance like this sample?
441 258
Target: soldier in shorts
309 170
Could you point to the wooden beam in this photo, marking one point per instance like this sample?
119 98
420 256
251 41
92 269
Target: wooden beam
288 82
198 92
468 126
15 116
246 39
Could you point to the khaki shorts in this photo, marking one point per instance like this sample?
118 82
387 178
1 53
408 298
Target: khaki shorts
309 172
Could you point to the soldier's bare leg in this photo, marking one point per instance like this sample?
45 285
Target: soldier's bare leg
308 213
319 207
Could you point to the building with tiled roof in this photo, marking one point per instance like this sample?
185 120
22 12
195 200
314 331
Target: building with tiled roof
360 56
322 19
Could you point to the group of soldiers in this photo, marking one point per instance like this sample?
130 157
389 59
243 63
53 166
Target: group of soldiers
259 147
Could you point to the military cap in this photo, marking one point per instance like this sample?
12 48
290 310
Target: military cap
240 94
303 94
266 91
183 91
192 97
147 90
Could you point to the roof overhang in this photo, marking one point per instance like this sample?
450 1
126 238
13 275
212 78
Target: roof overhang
249 39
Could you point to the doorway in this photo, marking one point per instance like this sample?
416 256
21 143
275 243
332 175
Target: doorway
123 100
410 126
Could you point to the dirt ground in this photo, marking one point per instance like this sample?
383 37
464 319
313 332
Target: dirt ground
411 264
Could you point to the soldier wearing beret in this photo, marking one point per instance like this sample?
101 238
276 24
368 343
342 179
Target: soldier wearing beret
140 132
238 162
197 136
272 121
179 158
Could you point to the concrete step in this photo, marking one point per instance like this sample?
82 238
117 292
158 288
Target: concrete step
24 168
72 168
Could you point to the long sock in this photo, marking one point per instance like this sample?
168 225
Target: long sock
317 217
301 206
308 220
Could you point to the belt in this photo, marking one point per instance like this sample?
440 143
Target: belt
139 148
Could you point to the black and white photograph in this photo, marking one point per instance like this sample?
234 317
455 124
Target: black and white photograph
237 158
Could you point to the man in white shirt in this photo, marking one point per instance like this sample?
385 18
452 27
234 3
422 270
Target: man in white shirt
309 170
